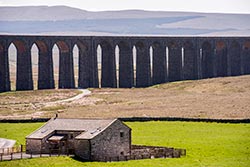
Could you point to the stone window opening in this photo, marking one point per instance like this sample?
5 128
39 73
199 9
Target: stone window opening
71 136
122 153
121 134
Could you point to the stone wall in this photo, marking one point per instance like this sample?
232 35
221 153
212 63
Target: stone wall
82 149
33 146
146 152
112 144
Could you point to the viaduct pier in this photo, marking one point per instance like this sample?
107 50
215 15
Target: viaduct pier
140 61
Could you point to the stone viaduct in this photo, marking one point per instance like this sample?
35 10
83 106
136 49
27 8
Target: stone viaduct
157 60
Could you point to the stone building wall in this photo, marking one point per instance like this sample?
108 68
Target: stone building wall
112 144
67 146
82 149
33 146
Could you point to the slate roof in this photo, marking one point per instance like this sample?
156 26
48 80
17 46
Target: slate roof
89 127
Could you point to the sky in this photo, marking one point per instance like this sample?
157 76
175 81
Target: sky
208 6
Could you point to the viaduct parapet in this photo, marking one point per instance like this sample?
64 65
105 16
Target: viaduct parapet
156 60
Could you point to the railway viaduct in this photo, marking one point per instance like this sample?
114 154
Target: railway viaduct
156 60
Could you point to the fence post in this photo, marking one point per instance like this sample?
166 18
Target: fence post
21 151
30 154
67 152
11 156
1 157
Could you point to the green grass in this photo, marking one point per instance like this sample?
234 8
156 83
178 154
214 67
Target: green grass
207 145
17 131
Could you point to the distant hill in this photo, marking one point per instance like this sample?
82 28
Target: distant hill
73 21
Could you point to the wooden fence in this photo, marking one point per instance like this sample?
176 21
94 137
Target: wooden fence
19 152
12 150
9 152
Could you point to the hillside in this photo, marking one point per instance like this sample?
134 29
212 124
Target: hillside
73 21
218 98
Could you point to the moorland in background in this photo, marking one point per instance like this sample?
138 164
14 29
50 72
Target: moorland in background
217 98
63 20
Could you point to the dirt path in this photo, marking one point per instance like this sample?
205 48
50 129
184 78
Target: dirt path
76 98
85 92
18 156
37 106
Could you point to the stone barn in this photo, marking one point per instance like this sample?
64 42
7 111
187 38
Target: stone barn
88 139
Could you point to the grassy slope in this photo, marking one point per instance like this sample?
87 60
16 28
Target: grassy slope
218 98
207 144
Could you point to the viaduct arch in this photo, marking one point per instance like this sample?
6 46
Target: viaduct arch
156 60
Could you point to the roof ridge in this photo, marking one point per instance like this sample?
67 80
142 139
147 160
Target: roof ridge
89 118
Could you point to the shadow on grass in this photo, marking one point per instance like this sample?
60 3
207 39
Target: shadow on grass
77 158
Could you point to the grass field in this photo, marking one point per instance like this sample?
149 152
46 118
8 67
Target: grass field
217 98
207 145
17 131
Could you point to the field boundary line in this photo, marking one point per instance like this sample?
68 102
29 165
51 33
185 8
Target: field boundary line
140 119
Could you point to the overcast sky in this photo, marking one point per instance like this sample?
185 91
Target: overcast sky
218 6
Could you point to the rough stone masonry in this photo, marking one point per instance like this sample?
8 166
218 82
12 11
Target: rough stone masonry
155 59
